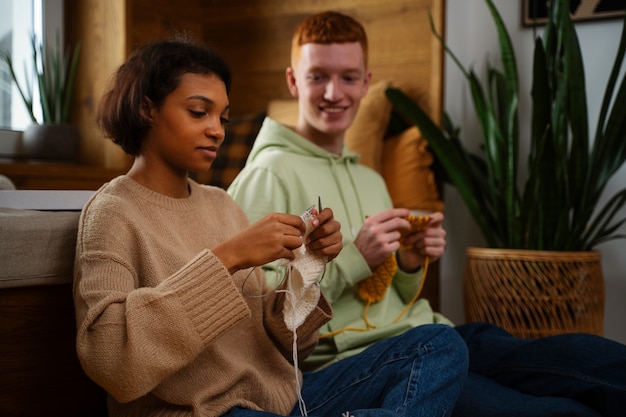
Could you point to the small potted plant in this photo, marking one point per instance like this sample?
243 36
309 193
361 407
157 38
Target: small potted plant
50 136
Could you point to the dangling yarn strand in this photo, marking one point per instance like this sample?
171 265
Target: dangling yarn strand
307 269
417 294
290 298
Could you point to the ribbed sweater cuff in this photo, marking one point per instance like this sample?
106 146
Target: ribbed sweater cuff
207 292
407 283
358 268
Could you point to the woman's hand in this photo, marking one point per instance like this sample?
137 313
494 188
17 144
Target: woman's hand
326 237
430 243
272 237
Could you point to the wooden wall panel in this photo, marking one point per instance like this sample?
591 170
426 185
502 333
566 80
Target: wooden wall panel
254 36
99 27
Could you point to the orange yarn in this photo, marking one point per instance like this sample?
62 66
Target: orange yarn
418 223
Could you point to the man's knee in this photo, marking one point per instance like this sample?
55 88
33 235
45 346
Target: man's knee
443 340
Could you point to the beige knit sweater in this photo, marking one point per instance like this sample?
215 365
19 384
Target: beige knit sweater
162 326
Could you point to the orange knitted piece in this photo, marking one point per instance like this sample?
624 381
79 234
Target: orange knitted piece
418 223
373 288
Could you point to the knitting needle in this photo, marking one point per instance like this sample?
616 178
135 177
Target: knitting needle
319 210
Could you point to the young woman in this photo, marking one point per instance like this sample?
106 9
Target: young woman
163 324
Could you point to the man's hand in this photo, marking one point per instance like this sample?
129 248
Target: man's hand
379 236
389 231
430 243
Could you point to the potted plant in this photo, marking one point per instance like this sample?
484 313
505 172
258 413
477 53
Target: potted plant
50 136
556 212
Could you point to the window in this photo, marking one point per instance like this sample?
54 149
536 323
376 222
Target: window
19 20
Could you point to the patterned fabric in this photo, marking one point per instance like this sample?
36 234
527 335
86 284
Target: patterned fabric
240 135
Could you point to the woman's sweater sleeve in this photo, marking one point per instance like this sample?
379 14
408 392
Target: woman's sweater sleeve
130 339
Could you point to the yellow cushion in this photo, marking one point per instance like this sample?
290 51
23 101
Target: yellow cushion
366 134
284 111
406 167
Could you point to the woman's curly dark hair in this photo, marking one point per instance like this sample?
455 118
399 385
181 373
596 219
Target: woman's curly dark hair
152 72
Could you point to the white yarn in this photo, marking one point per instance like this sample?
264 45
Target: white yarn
303 275
302 293
294 352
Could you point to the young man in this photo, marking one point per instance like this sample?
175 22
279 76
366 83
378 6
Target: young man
288 169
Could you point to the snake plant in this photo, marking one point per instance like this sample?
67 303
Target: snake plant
54 72
558 206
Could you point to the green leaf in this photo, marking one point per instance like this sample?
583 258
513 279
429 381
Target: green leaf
452 158
566 174
55 74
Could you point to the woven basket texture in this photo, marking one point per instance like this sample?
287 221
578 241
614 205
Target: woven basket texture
535 293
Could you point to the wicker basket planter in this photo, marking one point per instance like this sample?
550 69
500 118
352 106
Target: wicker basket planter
535 293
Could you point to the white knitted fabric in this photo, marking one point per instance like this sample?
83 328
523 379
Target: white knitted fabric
302 281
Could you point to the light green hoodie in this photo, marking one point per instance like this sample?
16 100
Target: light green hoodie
286 173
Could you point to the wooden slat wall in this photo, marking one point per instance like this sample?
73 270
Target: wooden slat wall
254 36
100 28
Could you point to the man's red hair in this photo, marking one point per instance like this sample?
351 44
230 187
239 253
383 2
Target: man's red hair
326 28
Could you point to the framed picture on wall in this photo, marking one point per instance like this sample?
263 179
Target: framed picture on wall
535 12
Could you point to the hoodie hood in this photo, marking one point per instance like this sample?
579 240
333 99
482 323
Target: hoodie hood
286 173
291 142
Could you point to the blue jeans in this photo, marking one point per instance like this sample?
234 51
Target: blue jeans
419 373
566 375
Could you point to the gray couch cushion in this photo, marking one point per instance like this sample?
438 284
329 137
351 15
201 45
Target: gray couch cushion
37 247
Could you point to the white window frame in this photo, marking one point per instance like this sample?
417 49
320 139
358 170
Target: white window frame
47 18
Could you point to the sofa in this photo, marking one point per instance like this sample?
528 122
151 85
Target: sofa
40 374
